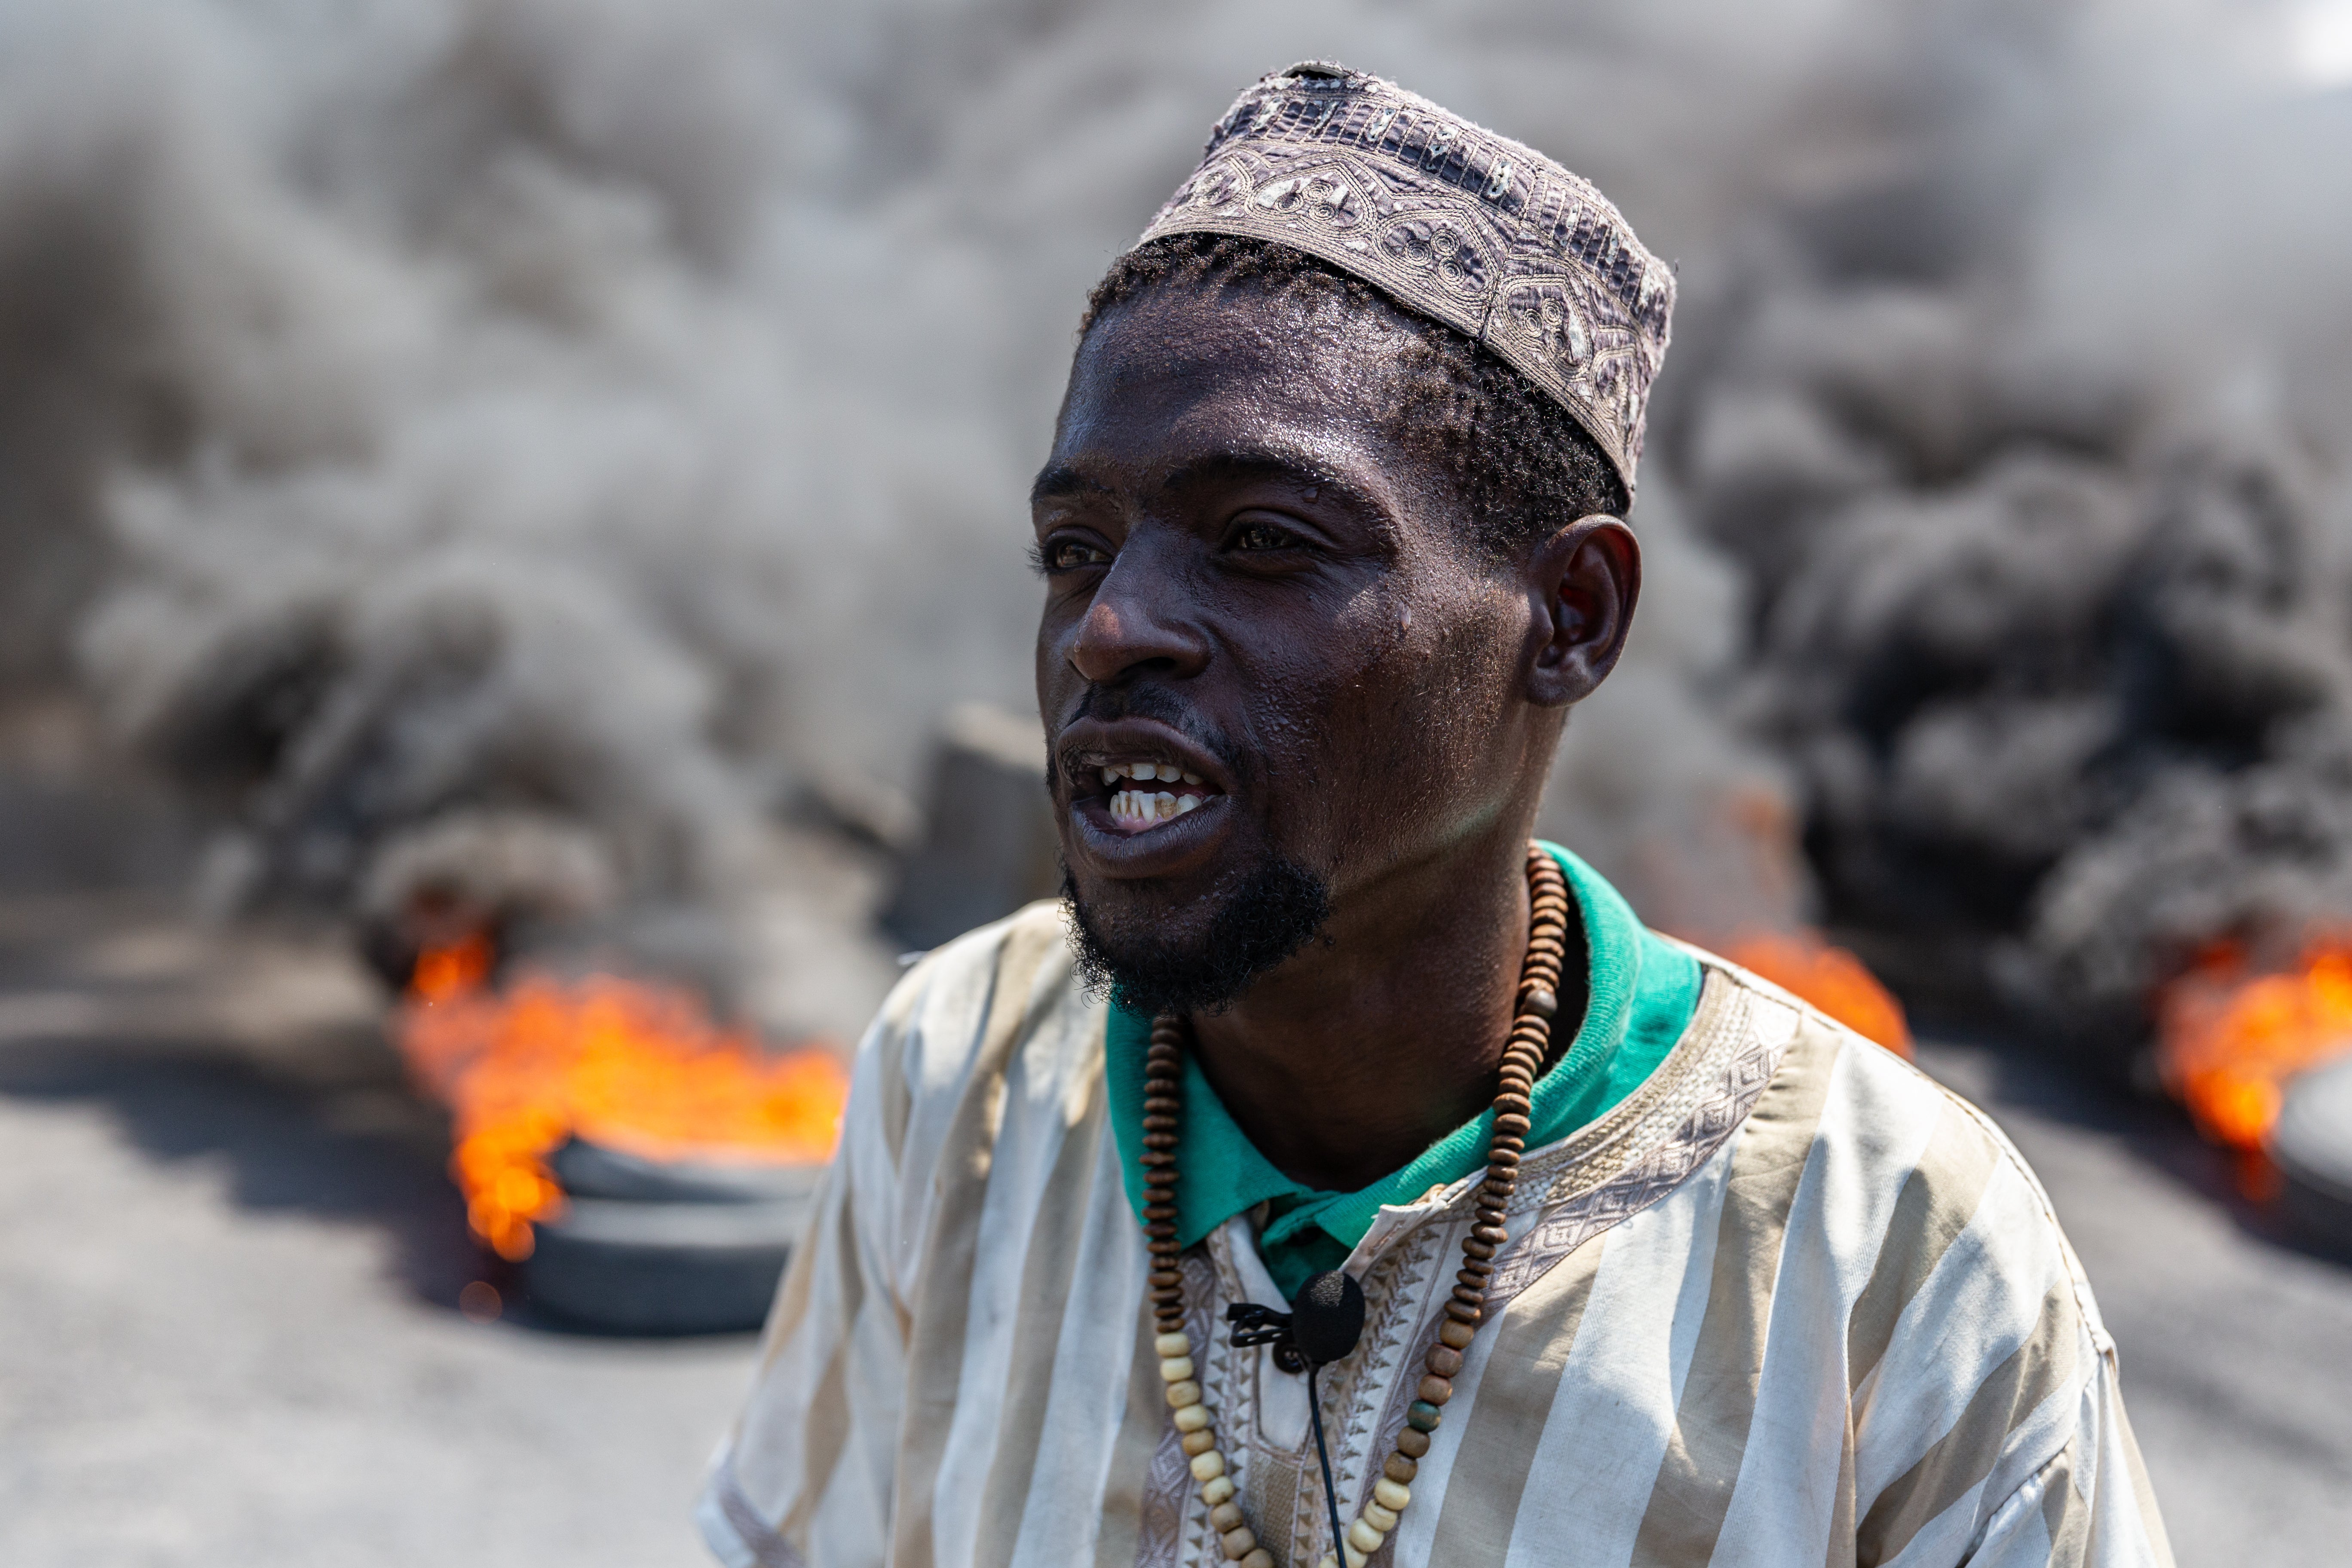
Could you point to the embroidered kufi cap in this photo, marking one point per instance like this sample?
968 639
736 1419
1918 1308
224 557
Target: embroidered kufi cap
1482 233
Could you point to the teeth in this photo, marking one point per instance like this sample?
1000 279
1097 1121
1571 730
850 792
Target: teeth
1135 808
1138 807
1147 772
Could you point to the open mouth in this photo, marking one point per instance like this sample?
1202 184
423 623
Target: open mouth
1141 796
1146 800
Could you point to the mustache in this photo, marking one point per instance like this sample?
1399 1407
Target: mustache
1145 699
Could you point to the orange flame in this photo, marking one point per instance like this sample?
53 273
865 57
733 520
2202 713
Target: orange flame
2227 1042
1830 978
443 973
634 1066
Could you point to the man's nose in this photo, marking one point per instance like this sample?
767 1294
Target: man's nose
1135 623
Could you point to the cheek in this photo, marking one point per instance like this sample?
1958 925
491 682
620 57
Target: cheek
1439 712
1323 689
1389 728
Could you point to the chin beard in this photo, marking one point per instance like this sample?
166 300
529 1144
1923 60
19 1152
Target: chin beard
1273 914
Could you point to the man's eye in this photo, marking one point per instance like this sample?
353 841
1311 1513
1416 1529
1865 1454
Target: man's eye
1069 554
1263 536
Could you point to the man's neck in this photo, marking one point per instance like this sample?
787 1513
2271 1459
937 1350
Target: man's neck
1384 1034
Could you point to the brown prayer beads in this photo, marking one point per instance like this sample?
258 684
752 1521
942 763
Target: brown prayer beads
1523 1062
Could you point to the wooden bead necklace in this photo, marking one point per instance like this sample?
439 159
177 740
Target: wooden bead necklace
1523 1061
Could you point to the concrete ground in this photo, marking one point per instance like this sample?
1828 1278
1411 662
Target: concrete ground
2235 1341
229 1331
229 1291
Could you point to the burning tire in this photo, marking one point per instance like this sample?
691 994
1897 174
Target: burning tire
2312 1145
587 1170
653 1247
662 1269
687 1240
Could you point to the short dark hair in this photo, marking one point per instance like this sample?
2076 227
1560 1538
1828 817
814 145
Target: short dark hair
1524 464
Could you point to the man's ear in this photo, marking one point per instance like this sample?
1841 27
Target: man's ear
1582 585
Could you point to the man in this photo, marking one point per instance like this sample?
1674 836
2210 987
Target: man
1331 541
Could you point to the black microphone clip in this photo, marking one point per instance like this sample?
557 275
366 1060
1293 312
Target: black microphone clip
1321 1327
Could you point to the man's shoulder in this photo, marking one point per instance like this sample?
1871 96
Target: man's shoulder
1847 1078
1898 1171
969 1009
1913 1186
1874 1235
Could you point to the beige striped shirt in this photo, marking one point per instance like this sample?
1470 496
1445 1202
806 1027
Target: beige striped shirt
1790 1303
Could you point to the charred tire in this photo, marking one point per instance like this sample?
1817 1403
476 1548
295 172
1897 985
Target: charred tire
2312 1146
662 1268
588 1170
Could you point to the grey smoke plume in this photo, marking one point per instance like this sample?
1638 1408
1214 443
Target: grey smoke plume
608 412
602 414
454 412
2047 522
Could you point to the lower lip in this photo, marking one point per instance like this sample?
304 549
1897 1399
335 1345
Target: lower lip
1154 851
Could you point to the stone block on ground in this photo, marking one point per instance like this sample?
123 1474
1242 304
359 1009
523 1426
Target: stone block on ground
989 845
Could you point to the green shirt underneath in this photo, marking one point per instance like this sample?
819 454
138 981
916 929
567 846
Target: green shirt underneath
1641 991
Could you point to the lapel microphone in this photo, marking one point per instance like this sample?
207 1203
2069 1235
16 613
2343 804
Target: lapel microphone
1322 1326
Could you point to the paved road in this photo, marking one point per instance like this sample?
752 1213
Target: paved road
229 1290
2235 1343
229 1286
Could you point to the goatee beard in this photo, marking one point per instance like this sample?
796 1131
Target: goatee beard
1279 910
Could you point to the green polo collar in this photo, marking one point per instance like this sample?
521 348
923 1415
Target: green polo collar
1641 993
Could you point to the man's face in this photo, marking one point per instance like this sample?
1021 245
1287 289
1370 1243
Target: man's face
1272 678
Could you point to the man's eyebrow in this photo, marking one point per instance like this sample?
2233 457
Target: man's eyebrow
1299 465
1058 479
1304 467
1228 462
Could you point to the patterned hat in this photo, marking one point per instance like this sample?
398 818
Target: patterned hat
1489 236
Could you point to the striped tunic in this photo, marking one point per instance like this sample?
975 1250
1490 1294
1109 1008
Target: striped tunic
1788 1303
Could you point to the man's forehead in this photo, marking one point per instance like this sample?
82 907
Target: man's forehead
1227 329
1155 405
1192 361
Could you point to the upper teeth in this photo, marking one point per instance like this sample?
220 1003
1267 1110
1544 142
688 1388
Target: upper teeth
1146 772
